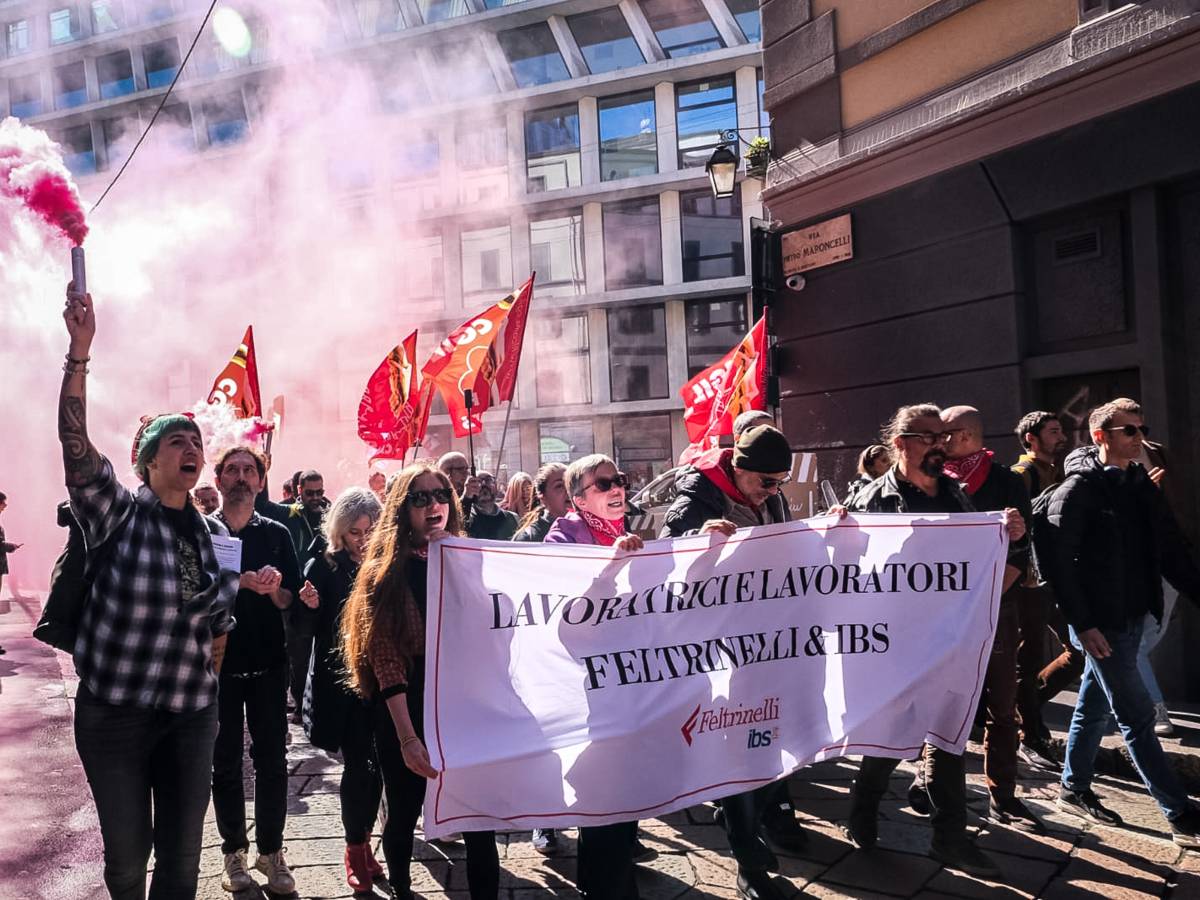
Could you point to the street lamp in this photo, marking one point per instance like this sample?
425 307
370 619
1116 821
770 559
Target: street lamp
722 171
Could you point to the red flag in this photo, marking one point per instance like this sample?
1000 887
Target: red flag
237 384
482 353
389 414
731 386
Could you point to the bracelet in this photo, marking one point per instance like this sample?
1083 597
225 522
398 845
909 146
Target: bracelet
71 359
75 367
405 741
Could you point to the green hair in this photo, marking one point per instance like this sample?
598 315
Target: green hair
151 435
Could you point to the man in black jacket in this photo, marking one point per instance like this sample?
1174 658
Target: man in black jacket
1114 539
917 484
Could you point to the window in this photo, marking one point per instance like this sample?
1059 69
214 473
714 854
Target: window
556 252
401 86
162 62
226 119
714 327
159 10
628 143
703 110
605 41
70 86
174 127
119 135
115 71
483 146
378 17
16 37
78 152
423 268
25 96
496 4
746 13
565 440
420 157
552 148
764 117
107 16
682 27
642 447
563 361
713 243
533 55
461 70
637 352
440 10
632 243
487 259
64 25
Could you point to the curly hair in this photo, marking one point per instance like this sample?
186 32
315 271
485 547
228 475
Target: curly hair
377 603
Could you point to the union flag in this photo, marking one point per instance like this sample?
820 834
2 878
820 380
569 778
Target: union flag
237 385
729 387
394 409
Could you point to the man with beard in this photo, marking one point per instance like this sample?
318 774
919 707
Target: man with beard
206 497
1040 680
254 680
916 484
488 521
993 488
466 485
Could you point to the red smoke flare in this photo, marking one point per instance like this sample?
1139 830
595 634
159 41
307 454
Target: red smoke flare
32 172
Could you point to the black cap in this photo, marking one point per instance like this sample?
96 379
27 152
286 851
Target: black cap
762 449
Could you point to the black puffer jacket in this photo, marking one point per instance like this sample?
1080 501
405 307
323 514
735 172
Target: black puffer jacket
698 499
1093 543
535 532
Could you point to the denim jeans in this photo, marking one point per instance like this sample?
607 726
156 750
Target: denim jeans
1153 633
1114 684
149 772
263 701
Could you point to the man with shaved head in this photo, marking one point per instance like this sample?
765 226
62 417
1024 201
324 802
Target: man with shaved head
992 488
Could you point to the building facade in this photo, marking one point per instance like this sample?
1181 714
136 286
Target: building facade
1024 198
570 140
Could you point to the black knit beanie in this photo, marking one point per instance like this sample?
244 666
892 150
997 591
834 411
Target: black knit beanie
762 449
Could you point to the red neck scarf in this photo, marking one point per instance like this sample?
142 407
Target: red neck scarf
971 470
605 531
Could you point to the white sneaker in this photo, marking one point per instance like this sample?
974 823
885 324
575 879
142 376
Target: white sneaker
1162 721
279 876
237 876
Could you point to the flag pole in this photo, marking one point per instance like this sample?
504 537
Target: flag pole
503 436
469 399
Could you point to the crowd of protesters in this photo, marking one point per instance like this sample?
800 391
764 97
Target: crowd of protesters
324 611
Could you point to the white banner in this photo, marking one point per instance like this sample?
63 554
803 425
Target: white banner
569 684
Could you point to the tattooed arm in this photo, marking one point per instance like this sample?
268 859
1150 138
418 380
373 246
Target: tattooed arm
81 460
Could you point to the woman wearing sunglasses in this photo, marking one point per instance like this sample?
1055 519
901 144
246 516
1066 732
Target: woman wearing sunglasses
383 643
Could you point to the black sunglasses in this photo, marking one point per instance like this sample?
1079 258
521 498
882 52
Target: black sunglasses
769 484
604 485
421 499
1131 430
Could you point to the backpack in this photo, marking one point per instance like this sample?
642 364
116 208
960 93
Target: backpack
1043 537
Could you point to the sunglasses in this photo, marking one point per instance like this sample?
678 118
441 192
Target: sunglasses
769 484
421 499
929 438
1131 430
604 485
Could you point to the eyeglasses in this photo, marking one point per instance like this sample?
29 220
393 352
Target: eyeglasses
769 484
928 438
314 494
604 485
422 499
1130 430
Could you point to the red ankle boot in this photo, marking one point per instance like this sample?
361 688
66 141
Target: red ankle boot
358 870
372 863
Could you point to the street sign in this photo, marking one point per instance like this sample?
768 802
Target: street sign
817 245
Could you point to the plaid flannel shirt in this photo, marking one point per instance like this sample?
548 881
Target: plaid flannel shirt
139 643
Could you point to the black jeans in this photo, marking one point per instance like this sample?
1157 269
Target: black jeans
945 780
405 793
263 699
361 787
605 869
744 813
299 627
149 772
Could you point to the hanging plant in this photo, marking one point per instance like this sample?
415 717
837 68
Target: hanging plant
758 156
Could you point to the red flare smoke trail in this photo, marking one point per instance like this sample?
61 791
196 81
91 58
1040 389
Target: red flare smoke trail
32 171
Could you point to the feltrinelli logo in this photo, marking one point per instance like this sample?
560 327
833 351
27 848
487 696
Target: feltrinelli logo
719 718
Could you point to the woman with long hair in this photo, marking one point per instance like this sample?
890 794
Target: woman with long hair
383 643
549 502
518 496
335 718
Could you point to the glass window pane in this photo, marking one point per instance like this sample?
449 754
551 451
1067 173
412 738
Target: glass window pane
378 17
764 118
107 15
703 110
682 26
642 447
70 86
16 37
533 55
713 243
563 361
496 4
565 440
487 259
162 62
714 327
25 96
115 71
466 67
423 278
605 40
440 10
552 149
173 128
628 142
637 352
158 11
483 146
632 243
64 25
78 152
746 13
401 86
556 252
226 119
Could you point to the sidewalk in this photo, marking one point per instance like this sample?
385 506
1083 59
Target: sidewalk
50 848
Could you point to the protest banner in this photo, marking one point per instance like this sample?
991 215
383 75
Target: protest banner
573 684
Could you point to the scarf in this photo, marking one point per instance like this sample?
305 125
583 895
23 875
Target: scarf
971 470
605 531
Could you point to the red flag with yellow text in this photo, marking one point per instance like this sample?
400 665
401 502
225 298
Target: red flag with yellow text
390 417
731 386
237 385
